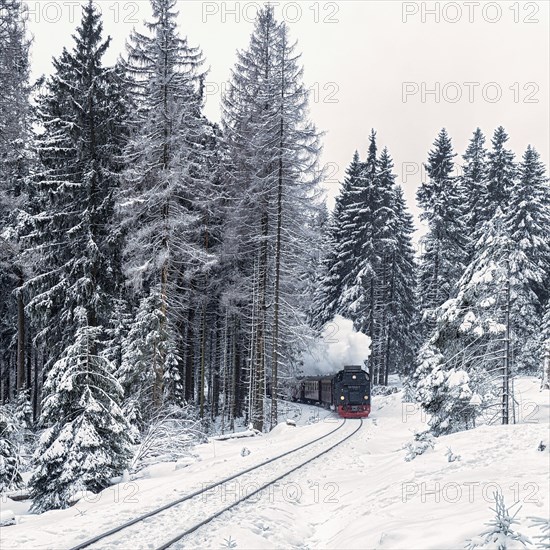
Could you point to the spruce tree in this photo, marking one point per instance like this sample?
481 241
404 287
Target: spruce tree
87 439
403 331
474 181
444 247
10 459
79 152
274 152
527 222
146 346
357 301
501 173
164 182
15 164
339 250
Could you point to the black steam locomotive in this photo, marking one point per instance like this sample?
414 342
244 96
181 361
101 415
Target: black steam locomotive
347 392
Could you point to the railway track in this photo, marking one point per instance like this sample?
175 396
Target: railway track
194 528
176 512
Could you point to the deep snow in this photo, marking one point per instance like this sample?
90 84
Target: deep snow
362 494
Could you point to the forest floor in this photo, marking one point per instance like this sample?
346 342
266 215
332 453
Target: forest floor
363 494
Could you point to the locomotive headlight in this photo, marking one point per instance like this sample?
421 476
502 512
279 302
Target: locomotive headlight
367 397
354 377
342 398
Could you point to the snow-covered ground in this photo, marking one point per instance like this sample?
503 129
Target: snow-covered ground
362 494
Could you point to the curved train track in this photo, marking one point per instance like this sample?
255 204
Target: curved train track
173 507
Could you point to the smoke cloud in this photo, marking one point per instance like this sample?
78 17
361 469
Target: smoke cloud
338 345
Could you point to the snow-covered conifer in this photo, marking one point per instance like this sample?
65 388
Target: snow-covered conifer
86 441
444 247
164 181
70 239
474 181
10 460
274 153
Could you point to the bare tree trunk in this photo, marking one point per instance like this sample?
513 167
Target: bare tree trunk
21 341
545 382
506 369
258 409
202 369
275 354
36 392
190 358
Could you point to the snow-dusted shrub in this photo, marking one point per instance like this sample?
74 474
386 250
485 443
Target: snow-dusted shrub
451 457
168 436
10 457
384 390
421 443
501 534
86 442
23 410
149 357
445 394
544 525
229 543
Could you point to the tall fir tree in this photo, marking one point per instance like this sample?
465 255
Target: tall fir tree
445 245
87 442
339 250
79 151
163 184
474 180
527 222
274 152
369 269
403 334
15 164
501 173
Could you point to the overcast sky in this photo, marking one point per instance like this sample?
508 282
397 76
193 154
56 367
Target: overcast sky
370 64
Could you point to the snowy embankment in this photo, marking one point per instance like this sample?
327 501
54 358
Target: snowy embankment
362 494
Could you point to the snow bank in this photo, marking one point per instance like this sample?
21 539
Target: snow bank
7 517
339 344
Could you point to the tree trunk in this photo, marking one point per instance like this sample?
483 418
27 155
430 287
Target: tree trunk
21 341
190 358
258 420
275 355
506 368
202 363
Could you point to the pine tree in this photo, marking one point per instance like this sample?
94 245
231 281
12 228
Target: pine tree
78 148
527 222
369 269
357 301
339 250
149 353
474 181
501 173
470 335
403 333
163 183
15 161
10 460
274 150
444 392
86 442
444 247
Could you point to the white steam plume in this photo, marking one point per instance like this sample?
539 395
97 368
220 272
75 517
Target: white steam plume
338 345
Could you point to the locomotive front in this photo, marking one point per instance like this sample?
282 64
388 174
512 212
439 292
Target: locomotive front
351 392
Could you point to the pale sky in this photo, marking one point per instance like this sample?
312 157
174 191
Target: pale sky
371 64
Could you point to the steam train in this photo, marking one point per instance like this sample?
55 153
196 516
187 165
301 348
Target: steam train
347 392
